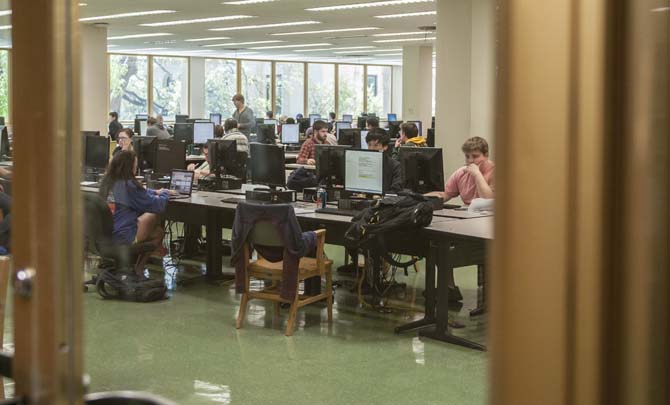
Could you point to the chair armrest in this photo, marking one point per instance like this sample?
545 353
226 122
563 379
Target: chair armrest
320 243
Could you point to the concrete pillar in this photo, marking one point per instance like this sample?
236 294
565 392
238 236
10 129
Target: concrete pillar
396 99
94 76
417 86
465 76
197 89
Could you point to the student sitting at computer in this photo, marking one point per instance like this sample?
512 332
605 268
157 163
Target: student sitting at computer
289 120
378 140
233 133
409 137
371 123
154 130
201 169
331 122
219 132
124 140
319 136
114 125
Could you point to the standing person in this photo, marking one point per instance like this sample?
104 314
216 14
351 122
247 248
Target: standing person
244 116
154 130
320 134
331 122
124 141
114 125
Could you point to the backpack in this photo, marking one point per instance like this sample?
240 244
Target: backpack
300 179
129 287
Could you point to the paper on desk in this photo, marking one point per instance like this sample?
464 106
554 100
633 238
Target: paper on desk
303 210
481 204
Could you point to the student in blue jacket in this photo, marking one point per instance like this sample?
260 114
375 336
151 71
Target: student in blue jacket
136 209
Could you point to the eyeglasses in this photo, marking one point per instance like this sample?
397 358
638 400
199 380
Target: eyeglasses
123 138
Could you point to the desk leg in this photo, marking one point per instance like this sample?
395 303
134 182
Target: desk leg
442 330
429 291
214 251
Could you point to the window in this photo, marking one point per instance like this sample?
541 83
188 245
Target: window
290 78
220 86
320 89
350 90
257 86
128 85
379 90
170 87
4 84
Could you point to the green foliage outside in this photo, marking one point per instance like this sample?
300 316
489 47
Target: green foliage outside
256 82
128 85
4 84
220 86
290 92
350 97
170 76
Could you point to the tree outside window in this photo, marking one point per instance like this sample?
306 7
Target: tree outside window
220 86
170 87
321 89
128 85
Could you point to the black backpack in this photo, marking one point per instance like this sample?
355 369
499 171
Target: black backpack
129 287
301 179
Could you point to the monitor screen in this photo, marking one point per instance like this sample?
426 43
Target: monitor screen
364 171
347 117
364 144
181 181
290 134
313 117
169 154
215 119
418 126
270 122
143 127
96 151
349 136
180 119
142 116
392 117
342 125
183 132
330 164
202 131
267 164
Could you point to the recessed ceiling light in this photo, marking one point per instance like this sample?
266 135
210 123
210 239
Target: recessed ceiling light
365 5
326 31
289 46
197 20
420 13
5 27
404 40
335 49
5 12
243 2
155 34
83 4
241 43
206 39
371 50
397 34
250 27
126 15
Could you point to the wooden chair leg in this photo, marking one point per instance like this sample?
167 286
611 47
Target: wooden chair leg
292 313
276 310
329 300
243 310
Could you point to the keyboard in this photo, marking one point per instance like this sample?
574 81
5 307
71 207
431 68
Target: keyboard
338 211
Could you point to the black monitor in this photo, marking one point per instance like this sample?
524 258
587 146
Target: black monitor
304 124
350 137
96 151
92 133
180 119
168 154
391 117
339 125
361 122
2 121
141 126
430 139
394 129
347 117
4 143
330 164
266 134
142 145
267 165
313 118
184 133
432 123
222 156
422 169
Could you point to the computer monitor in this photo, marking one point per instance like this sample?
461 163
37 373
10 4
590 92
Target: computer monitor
418 126
268 121
330 164
180 119
290 133
2 121
266 134
347 117
422 169
183 132
391 117
430 138
169 154
140 123
202 131
394 128
141 116
96 151
92 133
360 123
222 156
143 147
363 172
194 120
350 136
313 118
341 125
364 143
215 119
4 142
267 165
432 123
304 124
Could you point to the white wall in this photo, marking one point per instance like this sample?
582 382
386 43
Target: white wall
482 78
197 89
94 95
417 84
396 85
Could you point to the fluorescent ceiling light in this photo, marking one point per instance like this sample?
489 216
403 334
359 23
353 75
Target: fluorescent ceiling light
335 49
371 50
5 12
206 39
5 27
244 2
404 40
143 50
112 46
125 15
389 54
420 13
197 20
289 46
241 43
250 27
155 34
365 5
325 31
83 4
398 34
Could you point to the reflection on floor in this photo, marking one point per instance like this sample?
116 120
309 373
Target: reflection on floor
187 349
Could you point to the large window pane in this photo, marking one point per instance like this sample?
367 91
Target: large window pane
379 90
170 87
4 84
257 86
320 88
220 86
128 85
290 80
350 90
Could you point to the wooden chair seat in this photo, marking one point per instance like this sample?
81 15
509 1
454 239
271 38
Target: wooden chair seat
308 267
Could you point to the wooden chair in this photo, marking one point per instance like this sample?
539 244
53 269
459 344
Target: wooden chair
265 234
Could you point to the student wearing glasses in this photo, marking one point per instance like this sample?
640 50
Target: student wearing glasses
124 140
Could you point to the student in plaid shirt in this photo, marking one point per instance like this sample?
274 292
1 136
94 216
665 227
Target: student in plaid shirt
319 134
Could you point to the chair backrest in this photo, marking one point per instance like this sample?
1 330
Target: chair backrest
99 223
264 233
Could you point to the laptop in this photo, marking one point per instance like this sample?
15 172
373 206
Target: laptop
182 183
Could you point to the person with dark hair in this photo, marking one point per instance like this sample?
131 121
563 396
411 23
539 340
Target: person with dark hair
153 129
371 123
378 140
124 140
114 125
136 209
319 135
244 116
331 121
290 120
409 137
202 169
231 132
218 132
269 115
299 116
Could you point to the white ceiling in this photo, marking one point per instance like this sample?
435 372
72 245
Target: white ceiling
278 11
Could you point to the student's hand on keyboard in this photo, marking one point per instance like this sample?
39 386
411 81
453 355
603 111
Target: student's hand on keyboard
173 192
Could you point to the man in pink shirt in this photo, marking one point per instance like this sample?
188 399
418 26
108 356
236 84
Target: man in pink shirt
475 179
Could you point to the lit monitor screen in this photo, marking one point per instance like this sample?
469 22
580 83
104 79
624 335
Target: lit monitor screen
313 117
364 170
290 133
143 128
181 181
347 117
270 122
342 125
142 116
202 131
364 144
418 126
392 117
215 119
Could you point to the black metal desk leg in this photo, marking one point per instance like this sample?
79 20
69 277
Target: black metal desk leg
429 291
214 250
191 235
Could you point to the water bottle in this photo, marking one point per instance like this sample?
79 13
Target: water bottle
321 198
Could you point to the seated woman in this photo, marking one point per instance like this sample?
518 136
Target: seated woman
136 209
124 140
